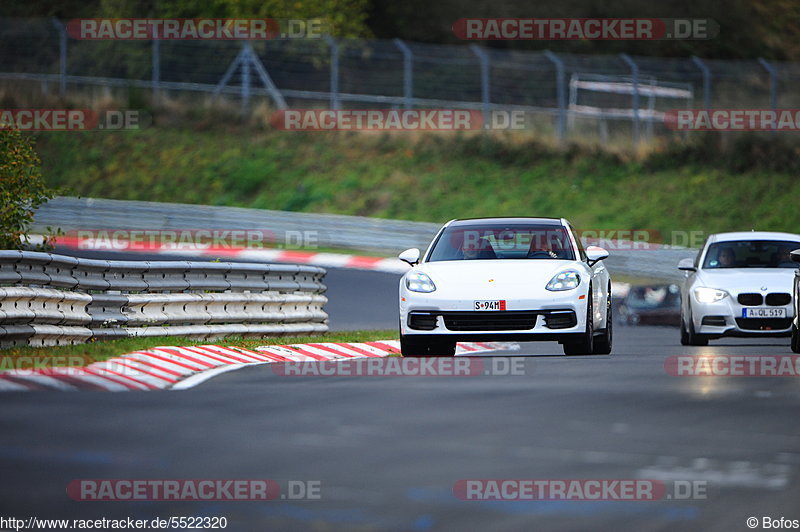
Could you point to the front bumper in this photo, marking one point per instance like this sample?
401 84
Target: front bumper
556 318
726 318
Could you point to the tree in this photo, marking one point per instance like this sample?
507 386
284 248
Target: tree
22 190
343 18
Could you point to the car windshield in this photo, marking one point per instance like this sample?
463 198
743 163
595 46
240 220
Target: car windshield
495 241
751 254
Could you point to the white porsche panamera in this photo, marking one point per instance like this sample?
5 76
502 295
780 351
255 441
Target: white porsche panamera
740 284
516 279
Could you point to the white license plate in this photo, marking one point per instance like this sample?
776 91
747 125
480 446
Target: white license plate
494 304
763 312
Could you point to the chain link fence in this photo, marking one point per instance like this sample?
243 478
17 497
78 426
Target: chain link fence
569 95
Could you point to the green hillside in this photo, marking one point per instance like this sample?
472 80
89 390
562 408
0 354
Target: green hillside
707 185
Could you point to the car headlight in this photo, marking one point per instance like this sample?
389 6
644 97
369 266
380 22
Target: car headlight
709 295
419 282
567 280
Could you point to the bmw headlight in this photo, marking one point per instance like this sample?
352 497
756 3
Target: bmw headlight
567 280
419 282
709 295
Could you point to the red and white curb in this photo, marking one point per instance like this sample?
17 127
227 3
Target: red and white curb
326 260
180 368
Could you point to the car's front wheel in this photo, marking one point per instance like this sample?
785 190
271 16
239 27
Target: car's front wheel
688 336
795 339
584 344
602 342
420 346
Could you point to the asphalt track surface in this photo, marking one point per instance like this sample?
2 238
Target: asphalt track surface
387 451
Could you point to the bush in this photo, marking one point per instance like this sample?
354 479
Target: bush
22 190
736 153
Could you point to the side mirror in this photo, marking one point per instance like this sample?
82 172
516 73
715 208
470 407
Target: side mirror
595 254
411 256
795 255
687 265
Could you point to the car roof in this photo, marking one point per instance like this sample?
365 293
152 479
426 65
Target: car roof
503 221
752 235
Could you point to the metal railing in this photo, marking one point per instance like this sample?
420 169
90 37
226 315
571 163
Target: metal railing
48 299
331 230
394 73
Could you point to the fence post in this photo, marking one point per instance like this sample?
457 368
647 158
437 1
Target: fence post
62 56
156 60
334 71
246 59
486 88
635 75
573 100
266 79
408 72
651 107
561 94
706 81
773 82
237 62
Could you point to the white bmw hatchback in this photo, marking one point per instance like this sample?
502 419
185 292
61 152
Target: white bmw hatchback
740 284
516 279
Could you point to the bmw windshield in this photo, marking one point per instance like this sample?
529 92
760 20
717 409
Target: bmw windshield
751 254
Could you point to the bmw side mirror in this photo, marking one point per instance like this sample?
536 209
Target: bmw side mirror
595 254
411 256
687 265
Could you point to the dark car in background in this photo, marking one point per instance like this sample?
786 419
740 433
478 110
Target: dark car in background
658 304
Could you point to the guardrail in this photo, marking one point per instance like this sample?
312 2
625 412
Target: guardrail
49 299
331 230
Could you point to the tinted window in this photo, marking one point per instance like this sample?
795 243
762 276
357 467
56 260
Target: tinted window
518 241
751 254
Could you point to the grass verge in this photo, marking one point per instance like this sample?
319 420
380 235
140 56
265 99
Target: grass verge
84 354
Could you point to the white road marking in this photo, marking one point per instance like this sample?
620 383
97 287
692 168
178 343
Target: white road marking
203 376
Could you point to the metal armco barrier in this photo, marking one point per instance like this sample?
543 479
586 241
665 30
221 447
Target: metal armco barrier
48 299
331 230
